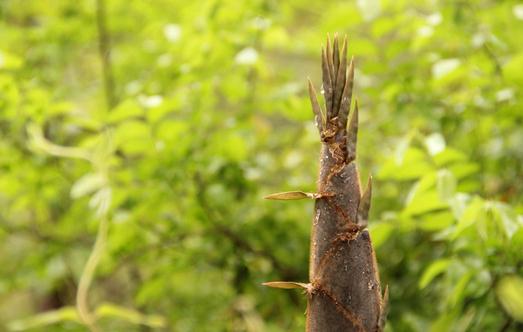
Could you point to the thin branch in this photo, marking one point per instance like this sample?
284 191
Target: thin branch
104 50
86 278
493 57
82 295
506 324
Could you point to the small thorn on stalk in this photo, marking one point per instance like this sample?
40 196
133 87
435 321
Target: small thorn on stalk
352 135
385 300
384 309
364 206
294 195
307 287
286 284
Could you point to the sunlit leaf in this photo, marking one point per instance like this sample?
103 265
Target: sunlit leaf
9 61
435 143
472 213
436 221
432 271
414 164
380 232
446 185
101 201
511 69
458 292
509 291
425 202
87 184
133 137
444 67
461 170
448 155
127 109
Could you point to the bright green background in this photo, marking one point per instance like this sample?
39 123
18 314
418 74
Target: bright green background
212 115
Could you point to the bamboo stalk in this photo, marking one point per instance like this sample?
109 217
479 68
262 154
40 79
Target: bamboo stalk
344 292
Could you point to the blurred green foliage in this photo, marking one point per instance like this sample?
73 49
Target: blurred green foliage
212 115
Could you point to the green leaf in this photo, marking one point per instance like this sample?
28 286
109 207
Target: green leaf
461 170
413 165
446 185
231 146
432 271
101 201
436 221
512 69
516 243
45 319
127 109
423 203
474 210
458 292
443 323
133 137
9 61
507 218
448 156
444 67
380 232
425 184
509 292
87 184
129 315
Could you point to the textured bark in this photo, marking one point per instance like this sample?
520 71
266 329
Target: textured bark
344 292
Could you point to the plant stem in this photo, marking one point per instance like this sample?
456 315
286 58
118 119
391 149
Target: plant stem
86 278
345 291
104 50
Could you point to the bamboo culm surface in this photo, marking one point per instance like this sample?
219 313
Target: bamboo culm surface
344 292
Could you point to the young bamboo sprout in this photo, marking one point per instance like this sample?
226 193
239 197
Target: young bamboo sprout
344 292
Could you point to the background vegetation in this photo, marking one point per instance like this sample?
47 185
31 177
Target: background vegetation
205 111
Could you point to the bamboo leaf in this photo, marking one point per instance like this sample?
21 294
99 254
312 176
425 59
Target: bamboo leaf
287 284
294 195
